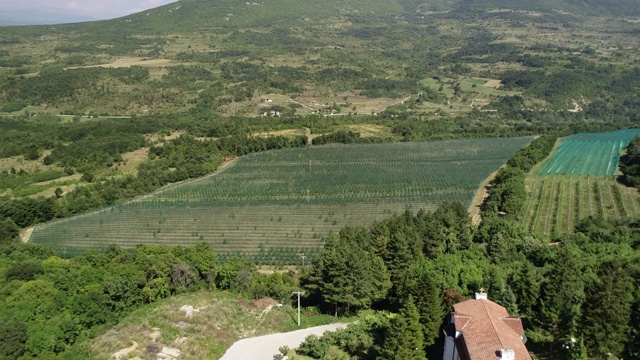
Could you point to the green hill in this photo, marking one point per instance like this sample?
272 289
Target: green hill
349 56
198 15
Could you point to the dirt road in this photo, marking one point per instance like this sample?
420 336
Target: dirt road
264 347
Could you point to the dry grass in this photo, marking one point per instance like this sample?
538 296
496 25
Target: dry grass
128 61
286 132
370 130
223 319
25 235
19 162
161 137
132 160
496 84
52 190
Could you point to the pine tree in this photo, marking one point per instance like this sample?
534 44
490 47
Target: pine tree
403 339
608 311
578 351
562 296
418 281
346 275
526 288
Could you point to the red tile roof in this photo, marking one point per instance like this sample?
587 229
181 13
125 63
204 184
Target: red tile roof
487 328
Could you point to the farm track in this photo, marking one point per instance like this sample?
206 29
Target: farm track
538 203
549 205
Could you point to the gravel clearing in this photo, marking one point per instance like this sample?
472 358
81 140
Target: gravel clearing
264 347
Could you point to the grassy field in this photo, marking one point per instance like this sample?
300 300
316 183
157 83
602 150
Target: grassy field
223 319
273 205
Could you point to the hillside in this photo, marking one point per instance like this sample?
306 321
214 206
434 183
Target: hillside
193 15
274 205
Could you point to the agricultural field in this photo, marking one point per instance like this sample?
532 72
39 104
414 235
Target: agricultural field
578 181
274 205
589 154
557 203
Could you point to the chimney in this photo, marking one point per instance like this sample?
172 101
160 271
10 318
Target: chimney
508 354
481 295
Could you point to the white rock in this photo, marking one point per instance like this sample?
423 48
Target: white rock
171 351
189 310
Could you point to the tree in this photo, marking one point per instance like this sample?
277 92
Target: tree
13 336
577 350
203 259
608 311
346 275
9 231
182 275
526 288
419 282
404 337
562 296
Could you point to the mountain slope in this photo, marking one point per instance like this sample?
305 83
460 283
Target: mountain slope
10 17
577 7
197 15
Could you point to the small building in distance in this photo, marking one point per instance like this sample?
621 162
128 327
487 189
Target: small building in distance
480 329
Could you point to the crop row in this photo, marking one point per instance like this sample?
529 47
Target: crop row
290 198
557 203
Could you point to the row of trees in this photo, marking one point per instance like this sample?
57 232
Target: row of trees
630 163
507 195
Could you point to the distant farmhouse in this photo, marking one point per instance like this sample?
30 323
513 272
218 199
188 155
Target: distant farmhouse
480 329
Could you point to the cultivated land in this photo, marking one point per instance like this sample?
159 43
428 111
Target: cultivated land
589 154
276 204
557 203
578 181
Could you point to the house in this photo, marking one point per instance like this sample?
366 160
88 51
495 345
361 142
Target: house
480 329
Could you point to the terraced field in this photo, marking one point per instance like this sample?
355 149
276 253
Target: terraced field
274 205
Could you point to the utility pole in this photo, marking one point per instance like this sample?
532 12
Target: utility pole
302 255
299 293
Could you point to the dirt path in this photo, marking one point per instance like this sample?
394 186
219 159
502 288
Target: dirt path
26 234
264 347
481 195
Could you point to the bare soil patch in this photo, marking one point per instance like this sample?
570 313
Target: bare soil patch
478 200
25 235
128 61
285 132
496 84
132 160
158 137
370 130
